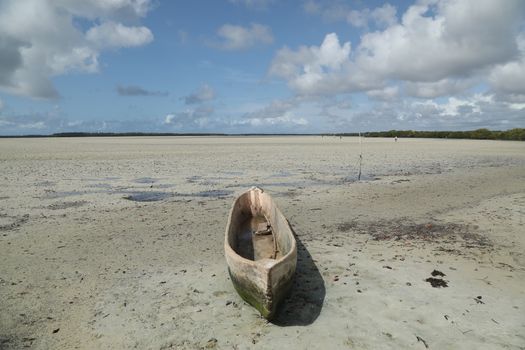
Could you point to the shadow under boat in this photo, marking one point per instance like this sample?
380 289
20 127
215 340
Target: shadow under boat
305 301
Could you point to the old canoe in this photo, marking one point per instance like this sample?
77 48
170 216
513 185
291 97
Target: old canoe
260 251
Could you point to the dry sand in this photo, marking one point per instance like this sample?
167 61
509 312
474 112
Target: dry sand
85 265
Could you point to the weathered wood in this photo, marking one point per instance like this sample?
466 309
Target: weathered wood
261 266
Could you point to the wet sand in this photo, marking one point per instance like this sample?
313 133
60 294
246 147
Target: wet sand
117 243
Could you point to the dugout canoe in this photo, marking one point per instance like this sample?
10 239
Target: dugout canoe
260 251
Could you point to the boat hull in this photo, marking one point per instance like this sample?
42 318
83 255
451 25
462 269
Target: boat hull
265 282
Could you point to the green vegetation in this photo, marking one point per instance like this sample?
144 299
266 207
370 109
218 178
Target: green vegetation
479 134
517 134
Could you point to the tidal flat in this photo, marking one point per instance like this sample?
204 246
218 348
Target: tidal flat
117 242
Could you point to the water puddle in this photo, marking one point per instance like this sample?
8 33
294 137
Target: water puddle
66 205
100 185
64 194
207 194
164 186
145 180
45 183
281 174
193 179
363 178
152 196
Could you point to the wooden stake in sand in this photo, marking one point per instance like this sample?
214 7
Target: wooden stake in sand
360 157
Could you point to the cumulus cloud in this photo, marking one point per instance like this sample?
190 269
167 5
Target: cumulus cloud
235 37
30 123
278 115
10 58
454 113
39 39
326 69
122 10
253 4
438 88
275 109
285 120
383 16
116 35
202 94
437 48
329 11
386 94
134 90
338 10
190 119
509 78
460 39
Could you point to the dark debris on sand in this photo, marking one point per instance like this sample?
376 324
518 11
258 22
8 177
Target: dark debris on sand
437 273
437 282
404 229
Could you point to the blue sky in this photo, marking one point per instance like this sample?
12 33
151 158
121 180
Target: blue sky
240 66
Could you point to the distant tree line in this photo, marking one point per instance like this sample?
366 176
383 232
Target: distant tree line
479 134
112 134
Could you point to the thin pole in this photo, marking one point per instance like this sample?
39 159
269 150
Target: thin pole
360 157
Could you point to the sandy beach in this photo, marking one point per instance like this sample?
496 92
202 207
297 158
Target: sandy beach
117 243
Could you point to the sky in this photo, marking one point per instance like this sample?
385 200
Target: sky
260 66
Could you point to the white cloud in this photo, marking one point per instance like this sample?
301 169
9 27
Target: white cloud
275 109
238 37
28 123
170 118
1 105
190 119
308 65
39 39
386 94
474 35
134 90
116 35
253 4
509 78
465 113
439 88
106 9
332 11
278 115
322 70
287 119
202 94
381 16
438 48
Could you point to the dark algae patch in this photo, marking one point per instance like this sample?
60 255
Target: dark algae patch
437 282
403 229
437 273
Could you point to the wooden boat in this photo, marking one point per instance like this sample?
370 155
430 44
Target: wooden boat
260 251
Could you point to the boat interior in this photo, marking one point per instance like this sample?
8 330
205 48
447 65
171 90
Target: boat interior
257 229
255 239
